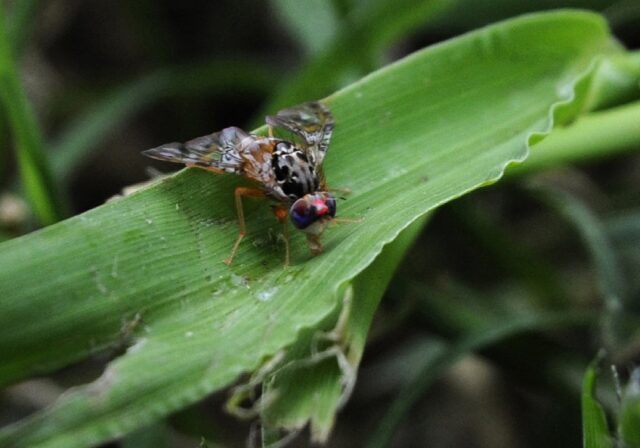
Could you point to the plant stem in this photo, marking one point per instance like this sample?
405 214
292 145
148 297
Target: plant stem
34 168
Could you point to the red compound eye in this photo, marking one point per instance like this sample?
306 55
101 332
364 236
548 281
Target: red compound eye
320 207
311 208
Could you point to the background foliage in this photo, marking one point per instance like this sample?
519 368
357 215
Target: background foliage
487 334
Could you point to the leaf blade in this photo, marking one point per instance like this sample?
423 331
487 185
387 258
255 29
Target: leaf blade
37 180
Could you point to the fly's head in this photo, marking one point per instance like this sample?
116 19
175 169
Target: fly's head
312 212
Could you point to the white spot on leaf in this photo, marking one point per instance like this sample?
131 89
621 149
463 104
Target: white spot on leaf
267 294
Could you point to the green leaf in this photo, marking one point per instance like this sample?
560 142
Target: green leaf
34 167
468 14
611 281
623 229
154 436
629 417
146 271
320 370
611 129
18 28
595 431
592 137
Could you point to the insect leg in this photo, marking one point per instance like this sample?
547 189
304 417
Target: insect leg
285 232
315 246
340 190
282 214
239 193
347 220
337 221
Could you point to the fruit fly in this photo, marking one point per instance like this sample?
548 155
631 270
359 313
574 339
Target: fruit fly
289 172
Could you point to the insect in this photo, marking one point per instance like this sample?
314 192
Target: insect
289 172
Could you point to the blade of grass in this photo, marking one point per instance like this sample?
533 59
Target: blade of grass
609 275
623 229
154 436
18 28
468 14
595 431
37 179
629 417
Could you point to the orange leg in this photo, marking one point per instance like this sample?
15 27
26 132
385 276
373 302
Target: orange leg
239 193
315 246
285 234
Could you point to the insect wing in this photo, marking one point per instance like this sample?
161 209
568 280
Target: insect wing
220 150
312 122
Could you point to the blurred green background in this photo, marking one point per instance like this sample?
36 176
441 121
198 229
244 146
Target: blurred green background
109 79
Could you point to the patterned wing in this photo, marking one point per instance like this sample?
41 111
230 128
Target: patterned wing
220 151
312 122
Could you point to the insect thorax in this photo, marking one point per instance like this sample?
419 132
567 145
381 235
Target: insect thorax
295 171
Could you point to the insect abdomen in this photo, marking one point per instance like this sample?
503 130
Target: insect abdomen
295 174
